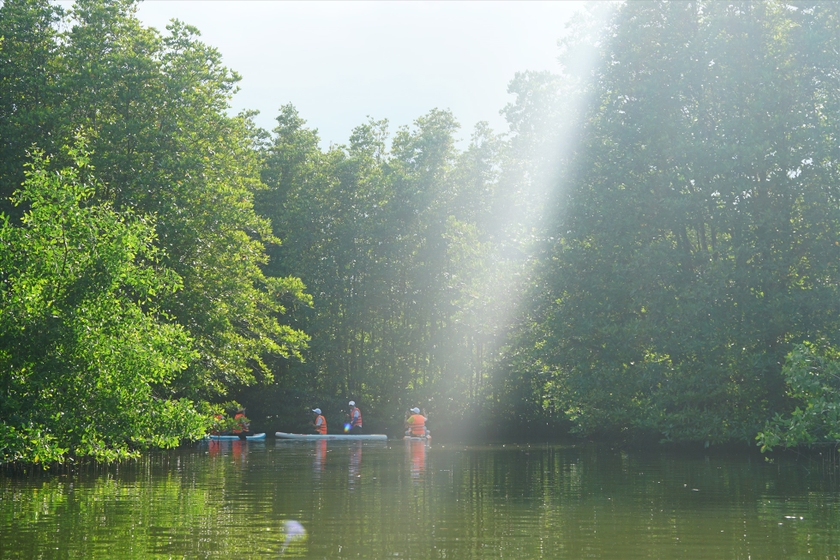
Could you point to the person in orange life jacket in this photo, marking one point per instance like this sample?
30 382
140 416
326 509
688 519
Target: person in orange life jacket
242 424
355 419
319 423
416 424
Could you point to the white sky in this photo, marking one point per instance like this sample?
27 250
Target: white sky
339 62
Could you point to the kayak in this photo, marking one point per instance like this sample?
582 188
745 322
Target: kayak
417 438
234 437
284 435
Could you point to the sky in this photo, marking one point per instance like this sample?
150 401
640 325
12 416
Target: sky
339 63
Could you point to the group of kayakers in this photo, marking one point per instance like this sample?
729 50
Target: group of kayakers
415 422
239 427
352 426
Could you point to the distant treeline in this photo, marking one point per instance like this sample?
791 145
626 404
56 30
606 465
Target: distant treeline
652 252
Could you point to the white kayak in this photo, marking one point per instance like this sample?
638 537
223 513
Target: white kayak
284 435
234 437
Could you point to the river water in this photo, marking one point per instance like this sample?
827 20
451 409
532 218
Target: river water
281 499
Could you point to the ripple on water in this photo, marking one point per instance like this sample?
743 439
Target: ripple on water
429 501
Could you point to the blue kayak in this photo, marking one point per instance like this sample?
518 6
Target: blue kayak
235 437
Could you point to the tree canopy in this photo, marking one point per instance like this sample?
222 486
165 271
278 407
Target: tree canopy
87 354
649 252
698 240
154 111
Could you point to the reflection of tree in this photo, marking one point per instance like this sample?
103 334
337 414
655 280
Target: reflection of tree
469 503
158 506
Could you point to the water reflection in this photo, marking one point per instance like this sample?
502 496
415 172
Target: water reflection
237 499
355 467
320 458
239 449
417 452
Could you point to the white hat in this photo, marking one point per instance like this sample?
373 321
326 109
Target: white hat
415 410
352 403
316 410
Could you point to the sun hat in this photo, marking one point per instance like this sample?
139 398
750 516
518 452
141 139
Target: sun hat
352 403
316 410
415 410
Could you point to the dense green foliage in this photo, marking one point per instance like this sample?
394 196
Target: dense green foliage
635 258
85 350
154 111
690 238
698 239
812 373
393 244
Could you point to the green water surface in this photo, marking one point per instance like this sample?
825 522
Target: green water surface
415 500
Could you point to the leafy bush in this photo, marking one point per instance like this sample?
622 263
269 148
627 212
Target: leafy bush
86 356
812 373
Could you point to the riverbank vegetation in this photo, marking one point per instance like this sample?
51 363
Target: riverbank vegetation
650 252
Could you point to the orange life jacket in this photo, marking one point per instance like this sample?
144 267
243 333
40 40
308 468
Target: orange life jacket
417 425
354 419
322 428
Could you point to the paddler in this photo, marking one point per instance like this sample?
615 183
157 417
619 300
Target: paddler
355 419
415 425
319 423
241 423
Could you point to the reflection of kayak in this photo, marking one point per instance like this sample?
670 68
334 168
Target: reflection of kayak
234 437
284 435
